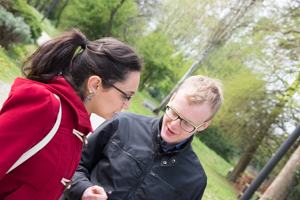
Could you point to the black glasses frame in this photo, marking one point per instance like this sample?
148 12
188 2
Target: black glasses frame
126 96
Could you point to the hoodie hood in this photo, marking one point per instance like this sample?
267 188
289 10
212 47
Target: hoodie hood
59 86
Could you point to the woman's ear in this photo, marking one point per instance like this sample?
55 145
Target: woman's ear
93 83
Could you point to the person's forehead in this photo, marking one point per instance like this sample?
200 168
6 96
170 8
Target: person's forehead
194 113
183 115
181 105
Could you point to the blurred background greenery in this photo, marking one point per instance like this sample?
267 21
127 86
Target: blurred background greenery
251 46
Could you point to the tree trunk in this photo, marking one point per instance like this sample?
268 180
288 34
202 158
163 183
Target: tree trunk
246 158
248 154
280 187
276 111
225 26
111 18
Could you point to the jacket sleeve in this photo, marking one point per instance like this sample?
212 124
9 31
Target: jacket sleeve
200 193
23 122
89 159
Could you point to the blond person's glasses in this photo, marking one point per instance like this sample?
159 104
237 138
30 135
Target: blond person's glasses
184 124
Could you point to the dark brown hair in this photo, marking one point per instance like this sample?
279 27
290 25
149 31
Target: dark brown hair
107 58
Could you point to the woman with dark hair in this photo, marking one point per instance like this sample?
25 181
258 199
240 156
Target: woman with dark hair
67 83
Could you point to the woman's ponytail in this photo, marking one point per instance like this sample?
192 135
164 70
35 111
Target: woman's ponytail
107 58
53 57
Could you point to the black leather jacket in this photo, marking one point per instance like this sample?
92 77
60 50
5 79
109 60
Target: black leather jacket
125 156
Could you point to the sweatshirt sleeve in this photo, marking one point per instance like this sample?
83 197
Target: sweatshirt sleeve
25 118
89 158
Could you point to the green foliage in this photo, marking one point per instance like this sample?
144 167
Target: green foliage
45 24
22 9
164 66
12 29
213 138
255 196
136 104
265 152
245 97
41 5
137 101
297 176
20 52
9 68
92 17
176 69
294 192
188 24
55 15
216 168
157 56
244 108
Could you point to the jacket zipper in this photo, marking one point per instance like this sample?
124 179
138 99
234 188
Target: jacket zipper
165 182
142 177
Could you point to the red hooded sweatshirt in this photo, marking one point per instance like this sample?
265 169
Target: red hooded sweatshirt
26 118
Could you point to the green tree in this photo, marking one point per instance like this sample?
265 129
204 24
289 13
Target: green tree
224 26
21 9
99 18
55 10
275 61
40 5
158 55
12 29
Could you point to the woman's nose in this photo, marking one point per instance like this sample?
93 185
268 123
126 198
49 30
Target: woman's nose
126 105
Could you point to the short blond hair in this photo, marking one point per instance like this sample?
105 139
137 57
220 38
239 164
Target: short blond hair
201 89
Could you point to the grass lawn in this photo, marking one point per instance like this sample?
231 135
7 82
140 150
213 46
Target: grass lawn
11 60
9 68
137 107
216 168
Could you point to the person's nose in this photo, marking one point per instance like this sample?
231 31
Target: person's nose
126 105
176 123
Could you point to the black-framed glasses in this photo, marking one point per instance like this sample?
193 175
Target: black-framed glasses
126 96
184 124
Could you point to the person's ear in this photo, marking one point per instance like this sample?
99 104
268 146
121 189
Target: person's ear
204 126
93 83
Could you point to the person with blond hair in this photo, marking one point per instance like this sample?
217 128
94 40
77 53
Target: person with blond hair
136 157
66 79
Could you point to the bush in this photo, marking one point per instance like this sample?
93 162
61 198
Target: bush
12 29
20 52
213 138
21 9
